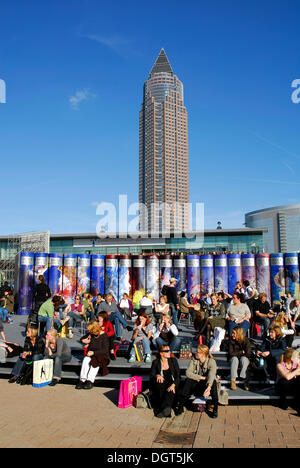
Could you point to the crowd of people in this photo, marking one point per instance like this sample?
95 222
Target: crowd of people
155 329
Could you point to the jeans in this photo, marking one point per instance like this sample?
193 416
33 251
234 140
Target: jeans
48 321
74 317
3 314
198 388
174 314
266 322
116 318
146 345
235 364
174 345
19 365
245 325
57 364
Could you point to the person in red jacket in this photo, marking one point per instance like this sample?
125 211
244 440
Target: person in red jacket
107 326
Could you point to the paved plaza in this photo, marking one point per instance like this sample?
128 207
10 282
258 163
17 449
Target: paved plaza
62 417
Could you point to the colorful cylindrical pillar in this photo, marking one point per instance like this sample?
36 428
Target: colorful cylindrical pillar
221 273
125 273
83 274
138 279
55 274
234 271
26 282
277 276
193 274
41 266
112 276
165 270
69 277
248 269
207 274
152 276
263 279
98 275
179 271
291 267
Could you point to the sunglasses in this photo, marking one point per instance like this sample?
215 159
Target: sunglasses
166 351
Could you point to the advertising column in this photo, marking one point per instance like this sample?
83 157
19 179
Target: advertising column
26 282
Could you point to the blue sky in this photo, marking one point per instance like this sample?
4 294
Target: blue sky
74 72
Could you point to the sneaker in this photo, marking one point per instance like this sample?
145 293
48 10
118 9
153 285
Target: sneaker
53 383
80 385
232 384
70 335
131 359
148 358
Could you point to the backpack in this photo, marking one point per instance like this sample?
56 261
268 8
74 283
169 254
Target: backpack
142 400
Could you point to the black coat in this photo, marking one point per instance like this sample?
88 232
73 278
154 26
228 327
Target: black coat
236 349
174 368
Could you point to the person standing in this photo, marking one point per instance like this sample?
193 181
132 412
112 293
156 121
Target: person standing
172 299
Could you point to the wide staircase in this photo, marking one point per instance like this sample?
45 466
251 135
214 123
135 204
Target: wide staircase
260 391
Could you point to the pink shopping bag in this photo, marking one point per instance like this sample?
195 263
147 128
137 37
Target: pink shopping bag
128 390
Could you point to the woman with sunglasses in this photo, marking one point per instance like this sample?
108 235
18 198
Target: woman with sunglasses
164 381
76 313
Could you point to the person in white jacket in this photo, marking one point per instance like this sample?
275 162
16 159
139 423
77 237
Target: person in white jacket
166 333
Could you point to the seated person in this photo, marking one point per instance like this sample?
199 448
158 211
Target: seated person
166 333
285 324
97 357
161 309
216 315
46 312
146 305
57 349
288 378
239 353
33 350
142 332
107 326
200 380
97 302
164 381
185 307
262 312
126 306
114 315
238 314
9 350
75 313
88 305
271 350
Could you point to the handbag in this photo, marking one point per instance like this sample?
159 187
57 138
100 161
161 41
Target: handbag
222 394
199 405
124 348
129 388
139 351
142 400
42 372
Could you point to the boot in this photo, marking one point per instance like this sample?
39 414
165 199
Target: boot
232 384
214 413
179 410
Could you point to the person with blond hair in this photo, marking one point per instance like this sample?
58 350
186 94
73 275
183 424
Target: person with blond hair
288 378
97 357
166 333
283 321
200 380
33 350
57 349
239 353
271 350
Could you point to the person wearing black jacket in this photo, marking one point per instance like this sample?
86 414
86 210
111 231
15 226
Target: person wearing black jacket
33 350
172 299
239 352
164 381
271 350
41 293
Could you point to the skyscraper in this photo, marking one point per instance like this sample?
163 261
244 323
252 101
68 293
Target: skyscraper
163 151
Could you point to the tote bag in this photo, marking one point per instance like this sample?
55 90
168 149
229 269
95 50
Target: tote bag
42 372
129 389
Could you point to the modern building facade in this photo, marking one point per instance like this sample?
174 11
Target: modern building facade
282 224
163 152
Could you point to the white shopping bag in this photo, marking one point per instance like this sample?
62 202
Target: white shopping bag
42 373
219 335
